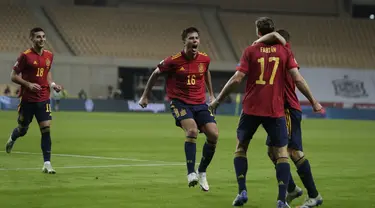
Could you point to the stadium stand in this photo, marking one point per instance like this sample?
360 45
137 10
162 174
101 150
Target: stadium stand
316 41
331 7
130 32
15 26
153 32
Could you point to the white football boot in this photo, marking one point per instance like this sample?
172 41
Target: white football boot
47 168
312 202
203 181
192 179
9 144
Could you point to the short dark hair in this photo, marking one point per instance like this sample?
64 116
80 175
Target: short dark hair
35 30
187 31
285 34
265 25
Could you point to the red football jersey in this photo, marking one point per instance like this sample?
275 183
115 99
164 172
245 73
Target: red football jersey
291 98
186 78
34 68
266 68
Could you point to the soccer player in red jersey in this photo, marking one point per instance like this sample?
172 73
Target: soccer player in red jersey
187 78
33 72
293 115
266 67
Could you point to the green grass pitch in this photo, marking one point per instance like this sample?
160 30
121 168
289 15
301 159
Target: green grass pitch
137 160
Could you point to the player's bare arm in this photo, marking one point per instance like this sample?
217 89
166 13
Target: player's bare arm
150 83
17 78
209 85
271 37
303 87
51 83
229 87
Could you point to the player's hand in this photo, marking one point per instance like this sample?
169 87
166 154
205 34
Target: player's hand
143 102
57 88
211 98
213 106
318 108
34 87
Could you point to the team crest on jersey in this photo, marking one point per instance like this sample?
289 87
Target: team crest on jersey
35 63
48 62
201 68
349 88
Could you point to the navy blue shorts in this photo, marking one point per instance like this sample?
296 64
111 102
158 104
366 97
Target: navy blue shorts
293 122
27 110
200 113
275 127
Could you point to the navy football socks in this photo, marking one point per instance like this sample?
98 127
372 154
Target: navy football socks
15 134
291 185
282 175
207 155
240 165
46 143
190 151
304 172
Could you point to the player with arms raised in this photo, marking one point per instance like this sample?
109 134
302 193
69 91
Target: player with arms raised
293 113
187 77
33 72
266 67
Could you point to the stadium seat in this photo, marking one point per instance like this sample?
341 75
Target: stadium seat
129 32
316 41
16 23
302 7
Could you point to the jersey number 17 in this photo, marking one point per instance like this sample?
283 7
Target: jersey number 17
261 80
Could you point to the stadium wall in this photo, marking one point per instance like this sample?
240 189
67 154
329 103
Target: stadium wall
348 86
93 74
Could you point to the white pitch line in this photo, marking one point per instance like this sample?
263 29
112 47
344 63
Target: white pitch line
90 157
99 166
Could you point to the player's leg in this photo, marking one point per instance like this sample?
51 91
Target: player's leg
293 191
246 128
207 124
43 116
25 116
295 150
191 133
184 119
277 130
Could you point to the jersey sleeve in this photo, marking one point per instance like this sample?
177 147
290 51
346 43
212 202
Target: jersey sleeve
291 63
243 66
20 63
166 65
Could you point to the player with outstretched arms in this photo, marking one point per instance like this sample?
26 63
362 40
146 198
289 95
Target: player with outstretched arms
33 72
266 67
187 78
